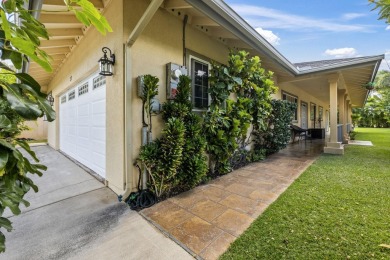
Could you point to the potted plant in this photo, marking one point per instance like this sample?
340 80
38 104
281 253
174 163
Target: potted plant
369 85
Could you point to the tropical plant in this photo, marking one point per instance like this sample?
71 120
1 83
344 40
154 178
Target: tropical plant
384 9
149 92
228 121
162 157
193 168
17 122
19 42
278 135
382 80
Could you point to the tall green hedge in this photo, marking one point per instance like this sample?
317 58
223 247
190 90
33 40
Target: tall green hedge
278 134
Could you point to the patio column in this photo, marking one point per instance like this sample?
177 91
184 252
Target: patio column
333 147
342 113
348 114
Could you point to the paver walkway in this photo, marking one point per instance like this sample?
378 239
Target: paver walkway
206 219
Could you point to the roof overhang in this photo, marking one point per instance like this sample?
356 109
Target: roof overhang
65 32
213 17
227 18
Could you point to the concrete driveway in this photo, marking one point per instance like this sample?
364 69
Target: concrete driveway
74 216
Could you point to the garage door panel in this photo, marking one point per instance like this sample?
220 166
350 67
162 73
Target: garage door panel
100 162
83 125
99 107
84 154
83 110
97 121
83 133
99 147
99 134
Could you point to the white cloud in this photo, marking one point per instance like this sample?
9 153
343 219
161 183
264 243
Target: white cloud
269 36
351 16
270 18
341 52
388 27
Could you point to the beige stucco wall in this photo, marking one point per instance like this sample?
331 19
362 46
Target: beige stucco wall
37 129
305 97
159 44
82 63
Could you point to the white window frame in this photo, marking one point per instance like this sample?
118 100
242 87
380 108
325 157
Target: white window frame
295 119
191 58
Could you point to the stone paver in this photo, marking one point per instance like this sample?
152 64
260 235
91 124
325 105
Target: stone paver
207 219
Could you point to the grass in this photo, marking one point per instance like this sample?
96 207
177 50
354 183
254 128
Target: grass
338 209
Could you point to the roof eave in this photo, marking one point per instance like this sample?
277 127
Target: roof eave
224 15
346 65
377 65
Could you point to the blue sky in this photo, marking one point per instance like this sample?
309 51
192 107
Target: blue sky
318 29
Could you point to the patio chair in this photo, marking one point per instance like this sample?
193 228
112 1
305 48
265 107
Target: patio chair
300 132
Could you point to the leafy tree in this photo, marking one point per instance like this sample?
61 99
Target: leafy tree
376 112
382 80
19 43
384 9
5 109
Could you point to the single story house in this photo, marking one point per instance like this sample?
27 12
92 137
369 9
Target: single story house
99 119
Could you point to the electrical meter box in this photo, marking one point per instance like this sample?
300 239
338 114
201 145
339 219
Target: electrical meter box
174 71
141 86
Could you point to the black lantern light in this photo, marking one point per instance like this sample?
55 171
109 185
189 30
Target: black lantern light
106 63
50 98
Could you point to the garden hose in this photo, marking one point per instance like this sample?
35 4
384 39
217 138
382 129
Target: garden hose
142 198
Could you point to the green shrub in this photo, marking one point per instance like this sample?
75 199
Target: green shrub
162 157
352 135
278 134
176 161
193 168
227 122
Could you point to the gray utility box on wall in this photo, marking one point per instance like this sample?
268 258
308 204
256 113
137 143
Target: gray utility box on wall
174 71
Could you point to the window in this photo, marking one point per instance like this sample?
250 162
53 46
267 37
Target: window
99 81
200 83
72 95
313 112
63 99
83 89
292 99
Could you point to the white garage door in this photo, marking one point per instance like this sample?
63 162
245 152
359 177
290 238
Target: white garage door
83 123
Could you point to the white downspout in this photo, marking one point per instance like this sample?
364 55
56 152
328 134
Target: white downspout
138 29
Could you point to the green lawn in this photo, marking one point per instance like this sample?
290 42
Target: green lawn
338 209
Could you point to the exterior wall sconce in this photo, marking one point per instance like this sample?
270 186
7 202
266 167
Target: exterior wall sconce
50 98
106 64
